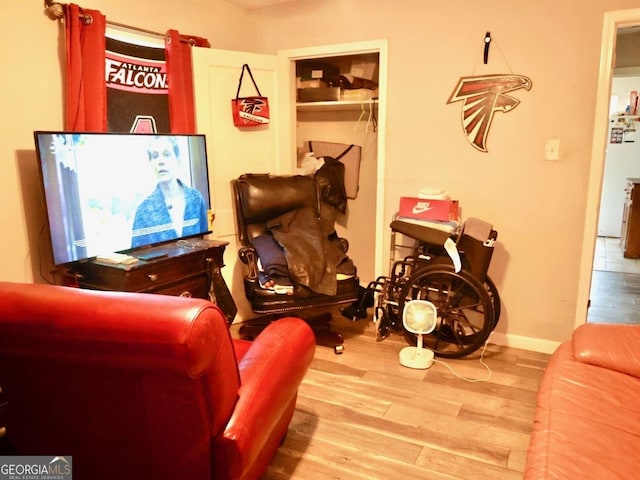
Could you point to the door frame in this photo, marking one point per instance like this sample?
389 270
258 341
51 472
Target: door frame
373 46
612 21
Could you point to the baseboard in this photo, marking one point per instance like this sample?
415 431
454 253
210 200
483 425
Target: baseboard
525 343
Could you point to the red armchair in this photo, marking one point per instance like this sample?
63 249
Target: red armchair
145 386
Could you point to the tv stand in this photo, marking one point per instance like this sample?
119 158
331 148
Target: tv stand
183 268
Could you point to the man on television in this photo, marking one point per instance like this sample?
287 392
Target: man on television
173 209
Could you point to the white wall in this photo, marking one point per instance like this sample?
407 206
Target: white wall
32 52
538 207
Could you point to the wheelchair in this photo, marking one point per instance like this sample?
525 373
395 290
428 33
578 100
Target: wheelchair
448 269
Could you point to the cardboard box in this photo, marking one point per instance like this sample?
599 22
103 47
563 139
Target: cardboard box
313 69
318 94
317 83
358 95
427 209
364 69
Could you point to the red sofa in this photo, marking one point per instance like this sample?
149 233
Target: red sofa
587 423
141 386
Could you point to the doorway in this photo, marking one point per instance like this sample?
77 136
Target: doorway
615 280
365 226
615 285
613 21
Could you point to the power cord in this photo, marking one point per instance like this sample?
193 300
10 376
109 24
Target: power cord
481 363
372 120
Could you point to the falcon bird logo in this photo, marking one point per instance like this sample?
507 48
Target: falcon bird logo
252 105
254 109
483 96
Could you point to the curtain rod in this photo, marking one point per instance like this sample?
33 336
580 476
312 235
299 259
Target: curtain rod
55 11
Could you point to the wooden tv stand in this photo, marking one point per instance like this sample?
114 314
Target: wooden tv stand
187 268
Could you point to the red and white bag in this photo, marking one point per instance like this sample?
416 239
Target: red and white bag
249 111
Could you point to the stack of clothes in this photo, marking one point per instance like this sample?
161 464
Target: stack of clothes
302 249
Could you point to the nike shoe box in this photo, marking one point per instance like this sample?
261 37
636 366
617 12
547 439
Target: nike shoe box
429 209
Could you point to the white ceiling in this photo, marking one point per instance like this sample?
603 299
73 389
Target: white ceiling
251 4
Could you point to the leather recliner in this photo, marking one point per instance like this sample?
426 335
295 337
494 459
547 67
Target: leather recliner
587 422
138 386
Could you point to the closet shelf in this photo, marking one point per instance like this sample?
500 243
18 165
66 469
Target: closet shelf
337 105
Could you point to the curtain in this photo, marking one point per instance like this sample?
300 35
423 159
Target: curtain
180 80
85 91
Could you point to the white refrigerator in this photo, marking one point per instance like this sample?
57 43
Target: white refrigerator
622 161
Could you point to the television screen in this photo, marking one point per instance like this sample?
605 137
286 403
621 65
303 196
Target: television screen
114 192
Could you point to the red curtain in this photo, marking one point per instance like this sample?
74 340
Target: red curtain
180 80
85 93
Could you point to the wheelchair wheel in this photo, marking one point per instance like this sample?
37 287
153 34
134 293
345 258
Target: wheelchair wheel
495 299
465 309
383 326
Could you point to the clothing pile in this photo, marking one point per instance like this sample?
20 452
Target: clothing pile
302 249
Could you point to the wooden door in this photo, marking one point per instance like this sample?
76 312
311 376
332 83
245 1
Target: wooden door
233 151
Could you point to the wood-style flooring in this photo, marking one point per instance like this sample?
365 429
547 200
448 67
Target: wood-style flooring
361 415
615 285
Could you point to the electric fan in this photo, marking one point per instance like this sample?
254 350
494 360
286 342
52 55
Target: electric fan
419 317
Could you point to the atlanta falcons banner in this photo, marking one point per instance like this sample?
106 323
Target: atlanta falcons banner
137 88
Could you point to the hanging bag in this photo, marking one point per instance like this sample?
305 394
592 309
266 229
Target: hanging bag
249 111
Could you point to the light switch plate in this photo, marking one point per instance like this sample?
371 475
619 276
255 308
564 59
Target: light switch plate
552 150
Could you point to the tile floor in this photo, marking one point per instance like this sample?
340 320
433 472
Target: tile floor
608 257
615 285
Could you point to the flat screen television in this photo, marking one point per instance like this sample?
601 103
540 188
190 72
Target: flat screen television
117 192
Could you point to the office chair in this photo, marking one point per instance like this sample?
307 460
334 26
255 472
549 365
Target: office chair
294 261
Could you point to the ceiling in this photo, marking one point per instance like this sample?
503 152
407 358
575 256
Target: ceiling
251 4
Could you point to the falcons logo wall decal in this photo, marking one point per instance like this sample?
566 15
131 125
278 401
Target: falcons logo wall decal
483 96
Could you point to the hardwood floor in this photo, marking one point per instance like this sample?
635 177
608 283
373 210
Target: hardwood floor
615 285
361 415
